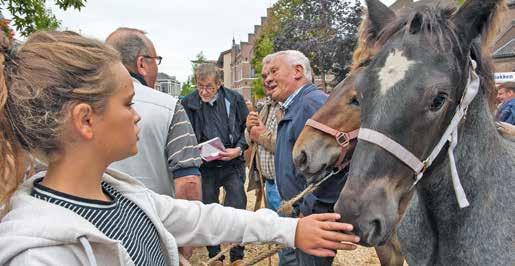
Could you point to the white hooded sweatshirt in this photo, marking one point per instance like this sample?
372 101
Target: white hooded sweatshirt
35 232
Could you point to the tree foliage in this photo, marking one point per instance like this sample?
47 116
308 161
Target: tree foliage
325 31
187 87
32 15
200 58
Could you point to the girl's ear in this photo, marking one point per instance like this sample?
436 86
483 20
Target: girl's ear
82 120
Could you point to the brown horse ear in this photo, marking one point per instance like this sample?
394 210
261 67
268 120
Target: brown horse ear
474 17
379 15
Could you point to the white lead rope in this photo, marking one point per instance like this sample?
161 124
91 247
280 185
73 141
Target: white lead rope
450 135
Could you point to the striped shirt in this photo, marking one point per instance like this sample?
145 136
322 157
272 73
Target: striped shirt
181 144
119 219
266 158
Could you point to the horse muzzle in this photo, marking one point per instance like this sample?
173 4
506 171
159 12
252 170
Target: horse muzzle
372 215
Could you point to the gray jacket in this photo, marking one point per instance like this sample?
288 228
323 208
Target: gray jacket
167 146
35 232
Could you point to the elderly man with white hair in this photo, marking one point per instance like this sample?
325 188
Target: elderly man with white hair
289 79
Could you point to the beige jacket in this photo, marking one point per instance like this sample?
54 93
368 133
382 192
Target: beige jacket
267 140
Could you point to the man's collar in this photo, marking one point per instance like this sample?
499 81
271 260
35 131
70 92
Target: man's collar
139 78
292 96
213 100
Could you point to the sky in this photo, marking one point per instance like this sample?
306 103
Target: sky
179 29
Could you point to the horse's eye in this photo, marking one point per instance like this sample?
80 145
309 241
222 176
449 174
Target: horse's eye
438 102
354 101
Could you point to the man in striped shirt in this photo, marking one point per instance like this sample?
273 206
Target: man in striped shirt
168 160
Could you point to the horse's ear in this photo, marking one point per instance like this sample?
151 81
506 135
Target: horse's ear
474 17
379 15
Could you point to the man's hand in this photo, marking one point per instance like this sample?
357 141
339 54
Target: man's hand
186 252
256 132
507 130
230 154
252 120
320 235
188 187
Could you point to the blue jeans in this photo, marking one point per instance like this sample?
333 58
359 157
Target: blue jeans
273 200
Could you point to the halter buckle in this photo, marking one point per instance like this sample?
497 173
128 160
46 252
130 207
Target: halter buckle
342 139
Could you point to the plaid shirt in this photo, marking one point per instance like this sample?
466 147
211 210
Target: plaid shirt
266 158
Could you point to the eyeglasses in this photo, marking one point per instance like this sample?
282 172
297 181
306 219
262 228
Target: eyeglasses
205 87
157 58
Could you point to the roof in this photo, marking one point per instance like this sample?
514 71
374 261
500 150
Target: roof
507 50
161 75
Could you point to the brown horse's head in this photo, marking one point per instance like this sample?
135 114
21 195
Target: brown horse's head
316 152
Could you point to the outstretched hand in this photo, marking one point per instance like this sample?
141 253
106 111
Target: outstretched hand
321 235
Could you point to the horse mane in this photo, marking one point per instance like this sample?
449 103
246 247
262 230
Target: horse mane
365 47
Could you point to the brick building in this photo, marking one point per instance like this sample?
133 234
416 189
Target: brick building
238 73
504 48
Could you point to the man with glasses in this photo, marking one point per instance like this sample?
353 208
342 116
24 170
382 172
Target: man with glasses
215 111
168 160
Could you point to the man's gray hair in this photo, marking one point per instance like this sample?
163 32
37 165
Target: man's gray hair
208 70
130 43
294 57
267 59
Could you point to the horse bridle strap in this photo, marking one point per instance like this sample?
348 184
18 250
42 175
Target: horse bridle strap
342 138
450 135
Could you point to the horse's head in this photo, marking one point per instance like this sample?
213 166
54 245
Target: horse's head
409 93
316 152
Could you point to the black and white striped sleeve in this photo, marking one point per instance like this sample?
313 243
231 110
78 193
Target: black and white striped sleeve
183 154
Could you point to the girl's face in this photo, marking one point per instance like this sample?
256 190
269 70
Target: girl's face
117 132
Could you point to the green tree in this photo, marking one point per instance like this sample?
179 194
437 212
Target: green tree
264 46
32 15
281 12
200 58
187 87
325 31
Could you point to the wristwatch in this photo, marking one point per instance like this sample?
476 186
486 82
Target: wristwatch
241 151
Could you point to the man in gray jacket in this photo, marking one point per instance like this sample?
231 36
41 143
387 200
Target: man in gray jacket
168 160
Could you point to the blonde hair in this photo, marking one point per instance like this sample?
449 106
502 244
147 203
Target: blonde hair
39 82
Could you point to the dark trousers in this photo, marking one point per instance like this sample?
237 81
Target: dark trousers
231 178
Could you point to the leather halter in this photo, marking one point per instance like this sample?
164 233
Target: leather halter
342 138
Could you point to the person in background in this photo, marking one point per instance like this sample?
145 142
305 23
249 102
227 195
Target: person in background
168 160
218 112
506 97
261 133
290 77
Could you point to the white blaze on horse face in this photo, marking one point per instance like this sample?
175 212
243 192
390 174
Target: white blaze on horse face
394 70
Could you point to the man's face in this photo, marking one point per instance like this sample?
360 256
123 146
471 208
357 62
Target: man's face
282 78
149 70
266 83
504 94
207 88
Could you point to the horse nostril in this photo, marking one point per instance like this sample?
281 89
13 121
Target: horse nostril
302 159
376 228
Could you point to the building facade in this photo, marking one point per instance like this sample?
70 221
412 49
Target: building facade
504 48
168 84
238 73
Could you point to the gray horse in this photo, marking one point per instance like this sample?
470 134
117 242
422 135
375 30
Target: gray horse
409 92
